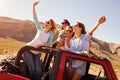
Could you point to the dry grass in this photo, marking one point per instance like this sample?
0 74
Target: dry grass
116 67
10 45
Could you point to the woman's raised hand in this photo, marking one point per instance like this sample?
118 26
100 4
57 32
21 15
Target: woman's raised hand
101 20
34 11
36 3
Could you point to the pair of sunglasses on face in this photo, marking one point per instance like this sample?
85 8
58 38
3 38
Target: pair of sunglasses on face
47 22
77 25
64 23
68 31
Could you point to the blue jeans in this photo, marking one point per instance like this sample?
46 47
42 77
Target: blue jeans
34 64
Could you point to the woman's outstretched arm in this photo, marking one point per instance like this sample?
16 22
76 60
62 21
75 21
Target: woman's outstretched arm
100 21
34 11
37 23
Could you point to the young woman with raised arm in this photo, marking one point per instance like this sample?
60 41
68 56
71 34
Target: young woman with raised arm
43 37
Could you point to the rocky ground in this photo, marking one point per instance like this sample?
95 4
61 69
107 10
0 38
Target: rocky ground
5 56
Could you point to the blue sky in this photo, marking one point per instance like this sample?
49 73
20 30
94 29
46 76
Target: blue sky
86 11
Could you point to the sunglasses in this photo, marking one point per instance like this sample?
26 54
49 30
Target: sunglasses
63 23
47 22
68 31
77 26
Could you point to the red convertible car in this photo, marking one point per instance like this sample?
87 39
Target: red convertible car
55 63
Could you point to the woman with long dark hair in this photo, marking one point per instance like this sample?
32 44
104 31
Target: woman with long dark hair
80 44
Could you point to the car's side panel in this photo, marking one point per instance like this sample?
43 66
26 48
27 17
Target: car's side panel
105 63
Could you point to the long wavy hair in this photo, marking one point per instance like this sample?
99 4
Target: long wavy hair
81 25
53 29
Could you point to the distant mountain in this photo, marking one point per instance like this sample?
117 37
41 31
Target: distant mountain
24 30
103 48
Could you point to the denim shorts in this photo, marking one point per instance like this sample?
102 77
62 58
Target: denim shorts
80 69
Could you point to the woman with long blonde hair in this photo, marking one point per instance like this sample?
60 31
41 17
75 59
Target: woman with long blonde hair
43 37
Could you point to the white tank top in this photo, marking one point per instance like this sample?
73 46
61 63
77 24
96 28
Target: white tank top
66 47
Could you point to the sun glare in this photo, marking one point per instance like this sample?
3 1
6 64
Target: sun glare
2 3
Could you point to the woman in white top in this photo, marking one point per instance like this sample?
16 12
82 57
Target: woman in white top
64 43
80 44
43 37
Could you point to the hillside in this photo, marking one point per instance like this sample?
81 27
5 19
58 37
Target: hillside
15 33
21 30
99 46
